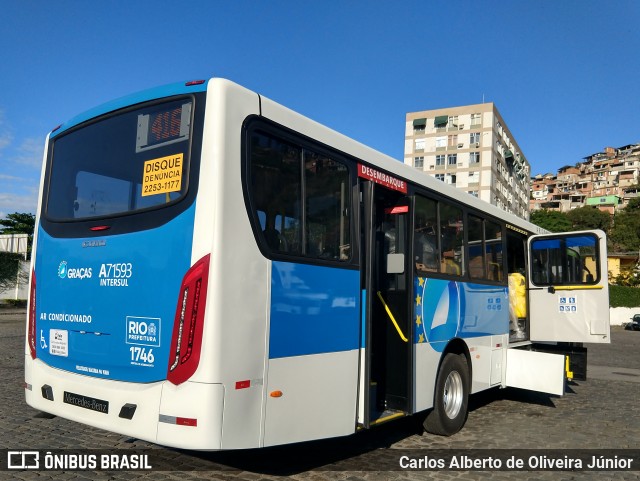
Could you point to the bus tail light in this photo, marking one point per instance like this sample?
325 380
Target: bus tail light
186 341
32 317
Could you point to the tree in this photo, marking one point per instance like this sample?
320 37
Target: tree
9 270
633 205
551 220
624 236
585 218
19 223
628 277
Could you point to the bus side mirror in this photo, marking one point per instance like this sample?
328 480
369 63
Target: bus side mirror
395 263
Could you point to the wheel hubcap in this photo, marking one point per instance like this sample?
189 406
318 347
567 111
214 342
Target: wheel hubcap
453 394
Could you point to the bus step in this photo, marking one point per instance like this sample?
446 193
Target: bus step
383 417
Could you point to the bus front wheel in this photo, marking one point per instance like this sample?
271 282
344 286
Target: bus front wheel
451 397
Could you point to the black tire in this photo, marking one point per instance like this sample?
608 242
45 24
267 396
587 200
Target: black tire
451 398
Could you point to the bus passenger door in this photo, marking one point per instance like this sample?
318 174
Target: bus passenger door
568 287
387 382
516 260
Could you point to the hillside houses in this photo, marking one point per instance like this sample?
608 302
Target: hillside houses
607 180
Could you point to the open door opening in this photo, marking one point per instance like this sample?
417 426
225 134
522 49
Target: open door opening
517 272
389 289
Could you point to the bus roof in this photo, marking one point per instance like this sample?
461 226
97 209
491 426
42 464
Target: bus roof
132 99
376 159
278 112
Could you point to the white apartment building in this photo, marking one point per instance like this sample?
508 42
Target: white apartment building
472 148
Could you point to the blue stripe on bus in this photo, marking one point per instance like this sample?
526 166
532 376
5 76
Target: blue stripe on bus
446 309
136 98
314 310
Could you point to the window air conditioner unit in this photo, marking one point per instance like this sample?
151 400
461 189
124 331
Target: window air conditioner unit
460 146
461 127
477 144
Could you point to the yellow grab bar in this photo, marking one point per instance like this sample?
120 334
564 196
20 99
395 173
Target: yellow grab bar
576 288
402 336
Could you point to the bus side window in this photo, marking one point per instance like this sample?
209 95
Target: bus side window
493 250
327 202
275 188
301 198
476 257
485 249
425 235
452 235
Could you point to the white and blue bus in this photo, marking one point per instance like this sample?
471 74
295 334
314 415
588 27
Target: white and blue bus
214 271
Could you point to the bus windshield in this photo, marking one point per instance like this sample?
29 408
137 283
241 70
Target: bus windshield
134 160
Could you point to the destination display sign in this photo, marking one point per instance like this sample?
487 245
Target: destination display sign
381 178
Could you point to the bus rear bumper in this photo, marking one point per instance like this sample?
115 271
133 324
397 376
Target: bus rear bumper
192 414
188 416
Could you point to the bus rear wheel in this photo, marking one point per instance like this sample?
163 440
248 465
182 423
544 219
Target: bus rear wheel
451 397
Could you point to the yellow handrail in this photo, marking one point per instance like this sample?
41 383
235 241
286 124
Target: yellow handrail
576 288
402 336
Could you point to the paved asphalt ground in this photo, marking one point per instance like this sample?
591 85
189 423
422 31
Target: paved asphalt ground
600 414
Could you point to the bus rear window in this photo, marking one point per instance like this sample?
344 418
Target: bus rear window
122 163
